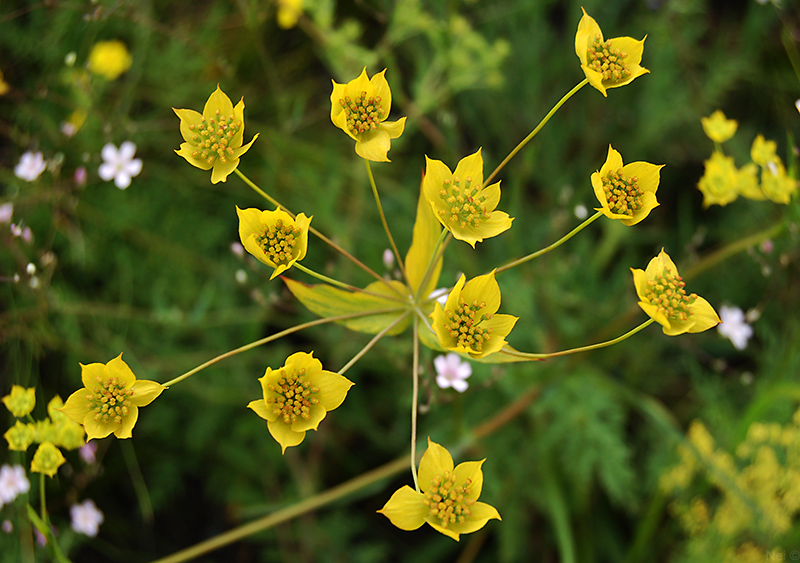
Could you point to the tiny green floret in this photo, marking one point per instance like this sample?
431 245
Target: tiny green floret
110 400
607 60
448 501
464 324
295 396
278 241
623 194
363 113
667 293
212 137
466 204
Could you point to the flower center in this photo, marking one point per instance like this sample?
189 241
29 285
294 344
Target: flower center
464 325
110 401
666 292
363 113
294 396
278 241
606 60
463 204
212 137
623 194
447 500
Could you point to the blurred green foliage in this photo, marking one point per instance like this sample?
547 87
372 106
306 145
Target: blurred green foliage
149 271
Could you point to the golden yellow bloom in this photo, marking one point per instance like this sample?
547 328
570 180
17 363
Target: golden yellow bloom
297 397
47 459
627 193
747 182
274 237
68 434
4 87
468 324
109 59
449 497
19 436
776 184
663 298
763 152
607 64
360 108
289 12
460 203
214 138
720 180
20 401
110 399
719 128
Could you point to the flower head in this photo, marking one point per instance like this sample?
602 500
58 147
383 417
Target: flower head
607 64
734 327
86 518
109 59
20 436
360 108
4 87
20 401
627 193
119 164
452 371
449 497
289 12
776 183
47 459
663 298
30 166
459 201
467 323
719 128
13 482
720 180
297 397
274 237
110 399
214 138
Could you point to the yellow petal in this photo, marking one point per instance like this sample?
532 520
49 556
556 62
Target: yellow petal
435 461
380 88
124 429
222 170
393 128
90 373
145 392
470 471
187 151
373 145
470 167
217 101
259 406
333 388
188 117
483 289
77 406
284 435
405 509
587 31
501 326
96 429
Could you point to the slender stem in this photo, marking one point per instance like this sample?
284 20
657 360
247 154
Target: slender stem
533 133
436 255
555 245
276 336
372 342
582 348
319 235
346 286
383 220
414 405
42 503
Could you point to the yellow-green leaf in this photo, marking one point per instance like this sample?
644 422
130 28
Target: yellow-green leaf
427 230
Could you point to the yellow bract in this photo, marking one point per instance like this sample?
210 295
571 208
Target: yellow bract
110 399
461 203
719 128
20 401
274 237
360 108
627 193
607 64
468 324
109 59
663 298
297 397
214 138
449 497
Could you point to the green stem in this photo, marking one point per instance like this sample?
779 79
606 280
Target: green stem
436 255
383 220
276 336
582 348
42 503
414 405
346 286
533 133
553 246
261 192
372 342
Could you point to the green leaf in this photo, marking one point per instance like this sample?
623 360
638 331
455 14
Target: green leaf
427 230
328 301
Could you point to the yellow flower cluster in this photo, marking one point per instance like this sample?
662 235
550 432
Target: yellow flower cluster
109 59
723 182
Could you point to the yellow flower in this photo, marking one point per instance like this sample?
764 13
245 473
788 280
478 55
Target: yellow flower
19 436
460 203
297 397
4 87
718 128
720 180
20 401
360 108
747 182
607 64
274 237
776 184
47 459
626 192
110 399
289 12
109 59
68 433
468 324
663 298
449 497
214 138
763 152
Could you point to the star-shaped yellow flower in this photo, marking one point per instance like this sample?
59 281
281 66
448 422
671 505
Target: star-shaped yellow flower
360 108
297 397
663 298
47 459
109 59
460 203
274 237
627 193
719 128
607 64
449 497
20 401
214 138
720 180
110 399
468 324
